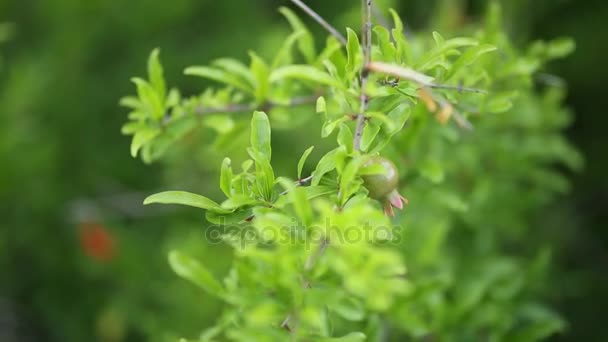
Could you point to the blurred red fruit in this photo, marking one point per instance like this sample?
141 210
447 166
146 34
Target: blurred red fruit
96 241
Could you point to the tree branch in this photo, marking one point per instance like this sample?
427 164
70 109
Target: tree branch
427 83
415 76
400 72
366 11
316 17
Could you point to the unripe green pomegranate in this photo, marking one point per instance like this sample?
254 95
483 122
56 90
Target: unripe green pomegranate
383 186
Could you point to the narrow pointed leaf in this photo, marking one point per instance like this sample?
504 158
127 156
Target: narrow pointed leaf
303 160
190 269
260 134
184 198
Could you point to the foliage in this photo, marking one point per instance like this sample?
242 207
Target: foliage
469 131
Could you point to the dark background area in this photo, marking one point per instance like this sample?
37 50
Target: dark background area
68 62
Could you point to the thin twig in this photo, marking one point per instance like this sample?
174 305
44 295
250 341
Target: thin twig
417 77
461 121
247 107
426 82
314 15
445 110
312 260
381 18
366 10
457 88
231 108
401 72
299 182
285 324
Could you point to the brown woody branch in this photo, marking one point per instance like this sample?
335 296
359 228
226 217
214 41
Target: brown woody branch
366 10
316 17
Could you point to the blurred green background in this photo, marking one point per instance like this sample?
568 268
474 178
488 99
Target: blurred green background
80 259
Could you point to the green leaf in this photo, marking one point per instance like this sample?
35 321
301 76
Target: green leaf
237 68
303 160
238 201
226 177
499 103
300 202
345 138
155 74
541 324
468 58
173 99
284 56
141 138
229 218
404 50
352 337
560 48
399 115
321 106
332 47
370 132
184 198
312 191
132 127
247 164
348 185
433 57
221 123
260 134
306 43
349 308
387 49
330 125
149 98
130 102
493 23
190 269
220 76
397 22
261 74
325 165
432 170
354 53
438 38
264 181
302 72
383 118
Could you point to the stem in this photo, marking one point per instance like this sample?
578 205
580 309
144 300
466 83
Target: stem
300 182
247 107
367 49
461 121
457 88
417 77
314 15
312 260
401 72
366 10
285 323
